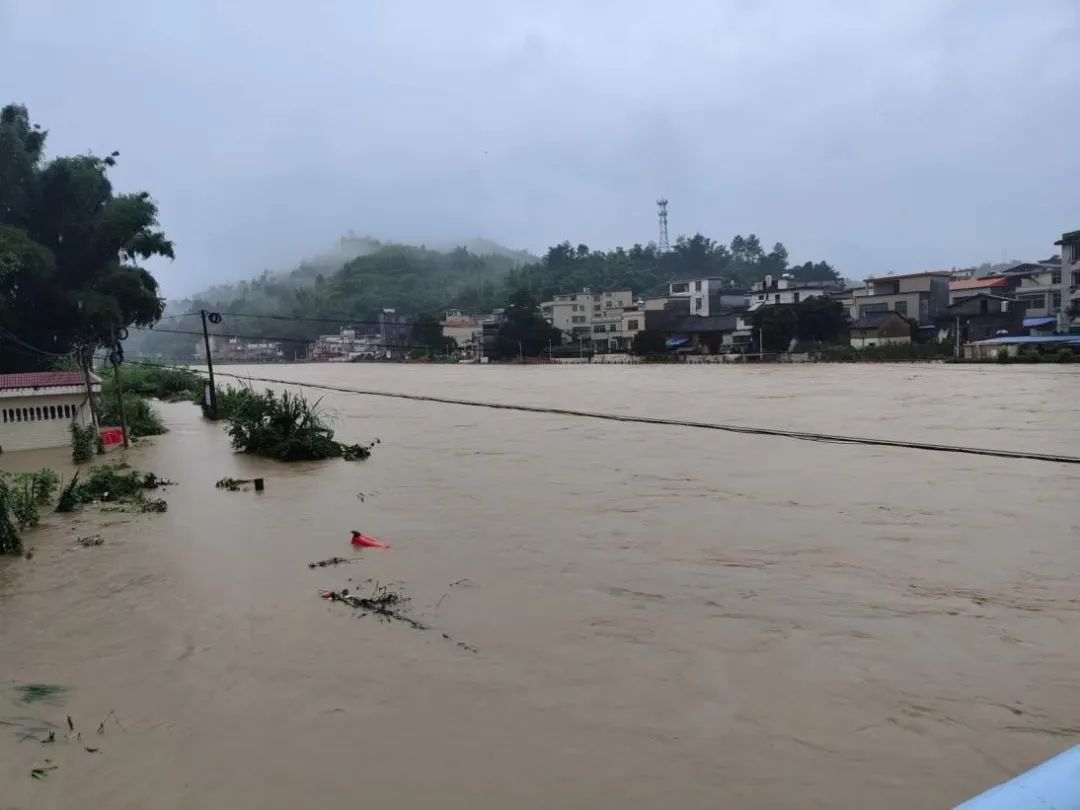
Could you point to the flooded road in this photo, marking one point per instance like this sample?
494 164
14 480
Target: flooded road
663 616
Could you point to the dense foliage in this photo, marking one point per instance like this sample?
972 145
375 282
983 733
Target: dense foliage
524 332
69 250
285 427
815 321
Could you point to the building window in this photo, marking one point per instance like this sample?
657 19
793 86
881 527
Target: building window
901 308
872 309
578 319
1076 278
1055 300
776 298
698 303
52 412
680 288
697 286
631 326
795 296
1033 301
5 414
596 308
1055 276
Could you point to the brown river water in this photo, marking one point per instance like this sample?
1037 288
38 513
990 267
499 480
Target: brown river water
662 616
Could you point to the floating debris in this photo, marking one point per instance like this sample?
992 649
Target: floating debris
154 505
385 602
43 771
363 541
90 540
234 484
330 561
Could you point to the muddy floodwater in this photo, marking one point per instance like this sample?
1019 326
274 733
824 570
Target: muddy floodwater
662 616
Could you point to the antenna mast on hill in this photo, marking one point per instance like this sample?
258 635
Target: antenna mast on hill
661 210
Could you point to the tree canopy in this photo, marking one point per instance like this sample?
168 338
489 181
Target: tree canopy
69 250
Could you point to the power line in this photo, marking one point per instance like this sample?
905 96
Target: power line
274 338
648 420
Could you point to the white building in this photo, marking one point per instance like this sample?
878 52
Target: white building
786 290
37 409
708 296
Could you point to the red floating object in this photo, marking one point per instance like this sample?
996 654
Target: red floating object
363 541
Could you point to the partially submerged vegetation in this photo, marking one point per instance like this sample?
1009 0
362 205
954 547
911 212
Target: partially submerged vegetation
23 494
20 496
141 382
286 427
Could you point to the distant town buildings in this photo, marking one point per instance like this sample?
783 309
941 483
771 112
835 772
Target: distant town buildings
346 346
238 350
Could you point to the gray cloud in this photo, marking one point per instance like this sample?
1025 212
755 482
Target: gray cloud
881 135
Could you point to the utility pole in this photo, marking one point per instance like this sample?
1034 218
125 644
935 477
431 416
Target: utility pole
114 357
956 351
209 363
521 353
761 342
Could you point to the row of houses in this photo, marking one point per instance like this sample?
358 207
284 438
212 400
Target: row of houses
711 315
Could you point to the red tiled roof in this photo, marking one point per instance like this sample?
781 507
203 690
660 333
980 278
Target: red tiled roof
43 379
978 283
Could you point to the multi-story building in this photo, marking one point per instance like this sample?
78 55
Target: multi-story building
708 296
394 331
921 297
589 317
786 290
1070 280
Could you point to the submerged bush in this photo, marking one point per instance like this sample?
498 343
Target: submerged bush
10 543
285 427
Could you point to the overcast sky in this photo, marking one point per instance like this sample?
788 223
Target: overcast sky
880 136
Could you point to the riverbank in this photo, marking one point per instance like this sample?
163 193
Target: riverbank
659 617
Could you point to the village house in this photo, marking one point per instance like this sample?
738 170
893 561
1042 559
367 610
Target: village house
786 290
37 409
880 329
980 317
708 296
921 297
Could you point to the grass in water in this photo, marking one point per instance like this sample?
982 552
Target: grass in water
50 693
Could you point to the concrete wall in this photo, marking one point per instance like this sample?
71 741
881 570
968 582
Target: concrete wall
23 431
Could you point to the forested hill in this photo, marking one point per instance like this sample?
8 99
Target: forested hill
356 280
361 276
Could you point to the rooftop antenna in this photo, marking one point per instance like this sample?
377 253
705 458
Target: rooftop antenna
661 210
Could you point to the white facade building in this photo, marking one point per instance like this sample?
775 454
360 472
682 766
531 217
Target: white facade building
708 296
37 409
786 290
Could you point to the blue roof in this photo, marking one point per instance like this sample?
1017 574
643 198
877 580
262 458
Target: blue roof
1030 339
1043 320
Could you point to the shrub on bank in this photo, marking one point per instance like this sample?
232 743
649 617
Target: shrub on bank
885 353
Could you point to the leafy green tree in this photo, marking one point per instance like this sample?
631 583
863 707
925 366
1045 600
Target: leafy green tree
524 331
774 328
822 320
427 332
69 248
649 342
